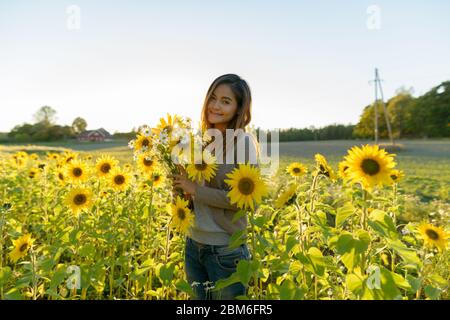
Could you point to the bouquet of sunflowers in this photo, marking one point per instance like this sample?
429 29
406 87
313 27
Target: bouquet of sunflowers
172 146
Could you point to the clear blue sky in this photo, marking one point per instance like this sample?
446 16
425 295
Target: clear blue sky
307 62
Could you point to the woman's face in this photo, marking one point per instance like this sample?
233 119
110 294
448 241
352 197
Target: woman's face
222 106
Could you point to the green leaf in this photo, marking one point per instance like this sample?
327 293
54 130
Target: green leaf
58 277
223 283
343 213
260 221
380 284
166 273
87 250
351 248
382 224
13 294
408 255
432 292
238 215
290 243
400 281
295 267
313 261
184 286
415 283
287 290
5 274
237 239
438 280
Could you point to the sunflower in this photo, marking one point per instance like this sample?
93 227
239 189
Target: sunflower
182 217
104 165
77 171
52 156
323 168
21 247
296 169
142 143
78 199
32 173
286 196
146 163
119 179
247 186
60 174
19 159
343 166
205 170
397 175
69 156
369 165
433 236
168 125
158 179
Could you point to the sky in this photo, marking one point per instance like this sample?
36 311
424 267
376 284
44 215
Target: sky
121 64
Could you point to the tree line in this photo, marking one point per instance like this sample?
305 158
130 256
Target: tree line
410 117
427 116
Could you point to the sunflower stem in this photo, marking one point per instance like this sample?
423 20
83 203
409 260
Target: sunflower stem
33 271
255 275
364 215
300 236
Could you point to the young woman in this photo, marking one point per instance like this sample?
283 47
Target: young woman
207 257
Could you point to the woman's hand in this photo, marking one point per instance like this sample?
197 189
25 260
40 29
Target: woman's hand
181 181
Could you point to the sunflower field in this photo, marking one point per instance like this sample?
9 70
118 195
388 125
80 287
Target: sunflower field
78 226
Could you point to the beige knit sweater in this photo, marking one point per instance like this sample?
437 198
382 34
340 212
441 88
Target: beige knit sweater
212 208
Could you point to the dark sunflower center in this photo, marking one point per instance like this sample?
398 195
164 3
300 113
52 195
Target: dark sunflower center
246 186
23 247
80 199
296 170
432 234
105 168
148 163
324 170
77 172
181 214
370 167
168 129
145 143
201 166
119 179
60 176
156 178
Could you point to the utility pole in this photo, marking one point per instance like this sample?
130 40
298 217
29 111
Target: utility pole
377 82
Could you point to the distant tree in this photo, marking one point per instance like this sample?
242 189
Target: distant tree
366 126
431 112
79 125
45 115
400 108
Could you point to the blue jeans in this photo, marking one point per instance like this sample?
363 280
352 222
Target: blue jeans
205 264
